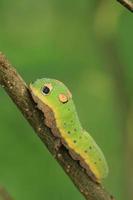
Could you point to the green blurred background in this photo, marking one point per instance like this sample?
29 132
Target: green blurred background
88 46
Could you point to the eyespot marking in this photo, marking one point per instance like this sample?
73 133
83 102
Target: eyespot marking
47 89
63 98
69 132
74 141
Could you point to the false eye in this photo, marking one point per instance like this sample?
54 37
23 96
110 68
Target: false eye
46 90
63 98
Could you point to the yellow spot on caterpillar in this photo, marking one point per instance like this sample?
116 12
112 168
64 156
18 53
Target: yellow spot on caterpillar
63 98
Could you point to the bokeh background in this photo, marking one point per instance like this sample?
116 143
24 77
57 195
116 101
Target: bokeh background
88 46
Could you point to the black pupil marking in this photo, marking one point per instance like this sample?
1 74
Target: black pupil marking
46 90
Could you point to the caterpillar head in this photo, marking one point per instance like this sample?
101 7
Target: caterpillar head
51 92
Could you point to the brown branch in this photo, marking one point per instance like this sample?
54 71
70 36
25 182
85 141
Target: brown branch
127 3
19 93
4 195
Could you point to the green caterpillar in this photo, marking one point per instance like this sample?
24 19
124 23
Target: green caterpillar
55 101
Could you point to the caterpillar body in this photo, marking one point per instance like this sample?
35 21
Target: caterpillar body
55 100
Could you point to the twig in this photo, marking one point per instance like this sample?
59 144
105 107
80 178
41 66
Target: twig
127 3
4 195
19 93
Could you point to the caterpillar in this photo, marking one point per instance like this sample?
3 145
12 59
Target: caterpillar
55 100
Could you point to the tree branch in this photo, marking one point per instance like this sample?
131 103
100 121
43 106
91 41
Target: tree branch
4 194
19 93
127 3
